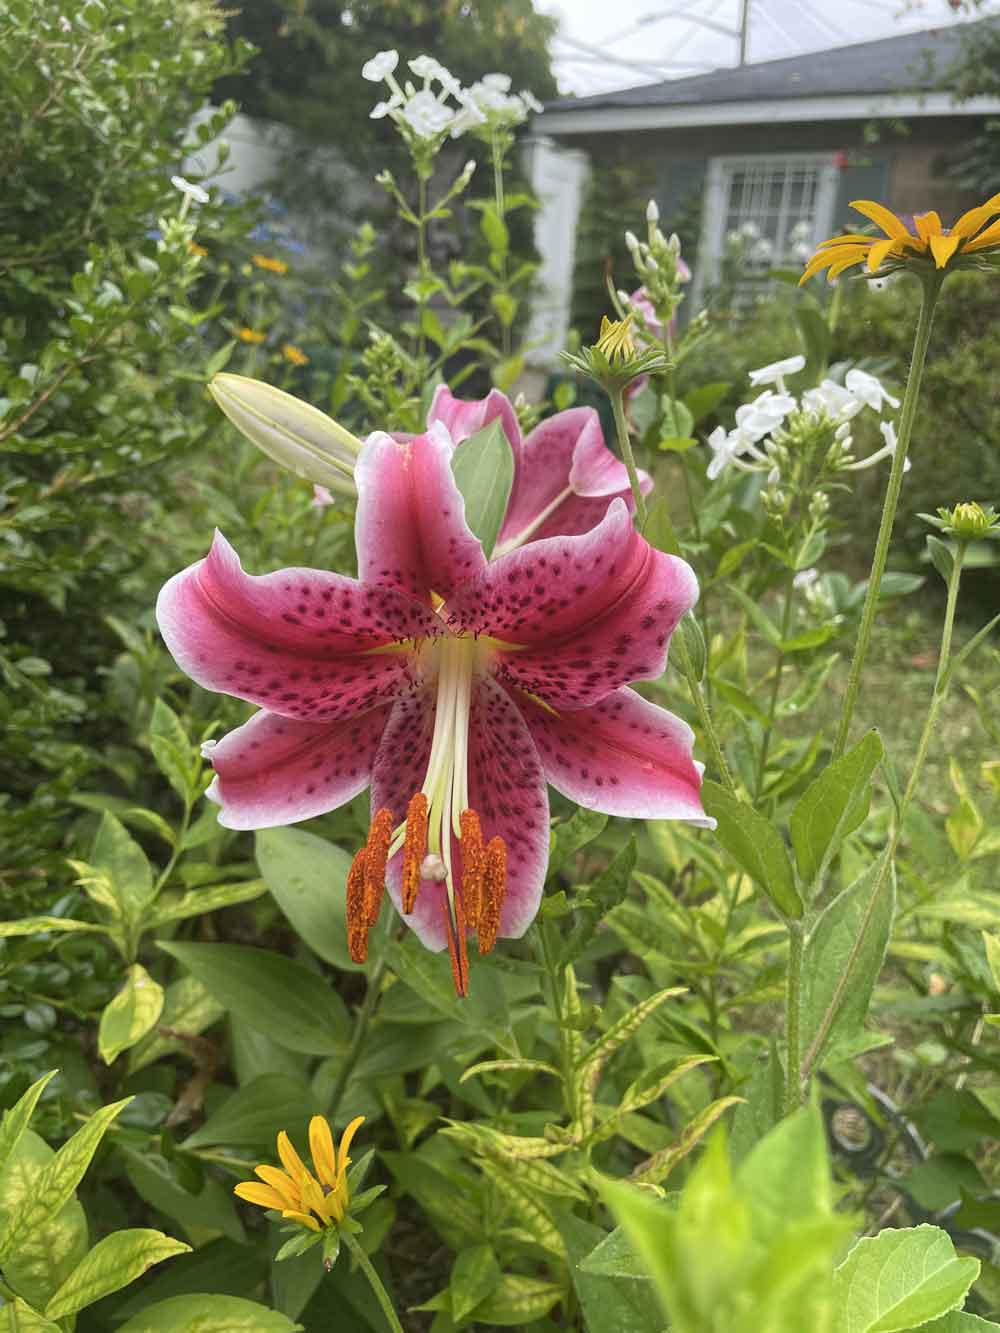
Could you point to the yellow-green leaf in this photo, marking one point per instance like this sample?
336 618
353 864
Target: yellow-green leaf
113 1263
130 1015
34 925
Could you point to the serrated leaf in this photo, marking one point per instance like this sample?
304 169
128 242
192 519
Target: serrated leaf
833 806
130 1014
56 1182
113 1263
899 1279
204 1313
483 467
756 845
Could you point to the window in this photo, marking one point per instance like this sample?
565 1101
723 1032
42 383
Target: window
779 207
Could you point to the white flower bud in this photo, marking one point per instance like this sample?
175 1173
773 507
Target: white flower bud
652 212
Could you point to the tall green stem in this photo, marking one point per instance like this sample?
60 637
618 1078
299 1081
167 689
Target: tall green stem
374 1281
498 194
682 651
941 683
361 1026
931 286
421 260
793 1016
779 663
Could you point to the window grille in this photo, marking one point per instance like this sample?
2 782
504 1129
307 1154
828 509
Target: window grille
769 211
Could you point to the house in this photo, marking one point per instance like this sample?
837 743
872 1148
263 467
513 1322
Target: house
778 148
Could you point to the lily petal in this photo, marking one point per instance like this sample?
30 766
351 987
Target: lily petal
298 642
276 770
507 789
399 770
410 529
588 614
566 480
625 756
465 416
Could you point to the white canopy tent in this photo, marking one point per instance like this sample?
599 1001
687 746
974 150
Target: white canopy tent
600 48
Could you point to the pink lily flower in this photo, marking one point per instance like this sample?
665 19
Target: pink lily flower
565 476
456 687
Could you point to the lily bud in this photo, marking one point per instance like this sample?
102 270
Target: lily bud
652 212
296 435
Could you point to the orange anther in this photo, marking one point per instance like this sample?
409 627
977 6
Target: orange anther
473 866
494 890
376 855
414 849
457 946
357 916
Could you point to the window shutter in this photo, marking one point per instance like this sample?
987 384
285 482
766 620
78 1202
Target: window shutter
870 181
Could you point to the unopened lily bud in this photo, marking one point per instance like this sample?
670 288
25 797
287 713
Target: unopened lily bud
296 435
652 212
632 241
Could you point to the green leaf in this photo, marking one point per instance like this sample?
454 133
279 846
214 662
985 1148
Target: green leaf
958 1321
306 876
121 861
568 837
21 1318
844 953
48 1253
173 751
816 336
212 1211
130 1015
474 1275
188 1008
198 902
704 399
756 845
897 1280
34 925
494 229
615 1257
15 1121
609 1300
429 976
113 1263
281 998
516 1301
254 1114
758 618
483 466
832 807
209 1314
56 1182
942 557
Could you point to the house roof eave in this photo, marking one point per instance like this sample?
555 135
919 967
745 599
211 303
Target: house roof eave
766 111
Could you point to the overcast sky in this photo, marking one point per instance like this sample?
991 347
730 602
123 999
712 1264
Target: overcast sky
657 39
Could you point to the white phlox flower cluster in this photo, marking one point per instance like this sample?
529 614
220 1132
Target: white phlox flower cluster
429 113
759 438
